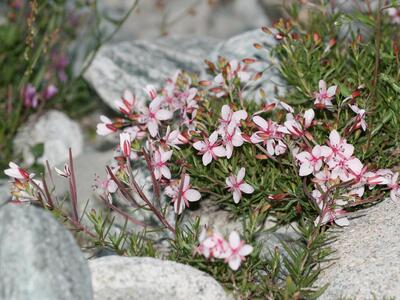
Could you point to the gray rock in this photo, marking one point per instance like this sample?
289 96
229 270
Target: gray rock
367 252
39 259
56 131
133 65
272 236
217 18
145 278
241 46
4 191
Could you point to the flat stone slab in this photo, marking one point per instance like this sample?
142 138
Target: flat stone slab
368 252
146 278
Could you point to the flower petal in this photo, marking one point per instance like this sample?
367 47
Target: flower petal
234 240
246 188
192 195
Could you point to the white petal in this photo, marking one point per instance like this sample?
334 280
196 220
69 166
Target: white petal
207 158
166 172
234 240
163 115
112 186
219 151
165 156
245 250
325 151
237 195
213 137
152 126
234 262
103 130
322 86
303 156
241 174
305 169
229 150
192 195
199 145
246 188
260 122
331 91
334 138
14 173
229 181
308 117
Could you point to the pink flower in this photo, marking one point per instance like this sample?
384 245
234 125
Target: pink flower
154 114
340 148
173 138
159 164
49 92
110 187
322 177
238 251
228 116
394 13
236 185
324 97
16 172
188 194
106 127
212 245
381 177
210 148
232 137
329 214
30 96
127 103
270 134
359 120
125 143
311 162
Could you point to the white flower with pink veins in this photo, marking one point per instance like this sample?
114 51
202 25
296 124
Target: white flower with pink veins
323 98
153 115
237 185
210 148
238 251
188 194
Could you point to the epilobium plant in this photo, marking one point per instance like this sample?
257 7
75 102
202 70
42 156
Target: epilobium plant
310 158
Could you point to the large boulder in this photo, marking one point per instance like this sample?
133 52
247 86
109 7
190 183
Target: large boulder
39 259
56 131
367 253
145 278
216 18
133 65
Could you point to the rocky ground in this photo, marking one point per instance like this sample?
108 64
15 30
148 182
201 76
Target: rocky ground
367 251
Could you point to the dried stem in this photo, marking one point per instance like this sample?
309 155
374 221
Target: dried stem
73 189
140 192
